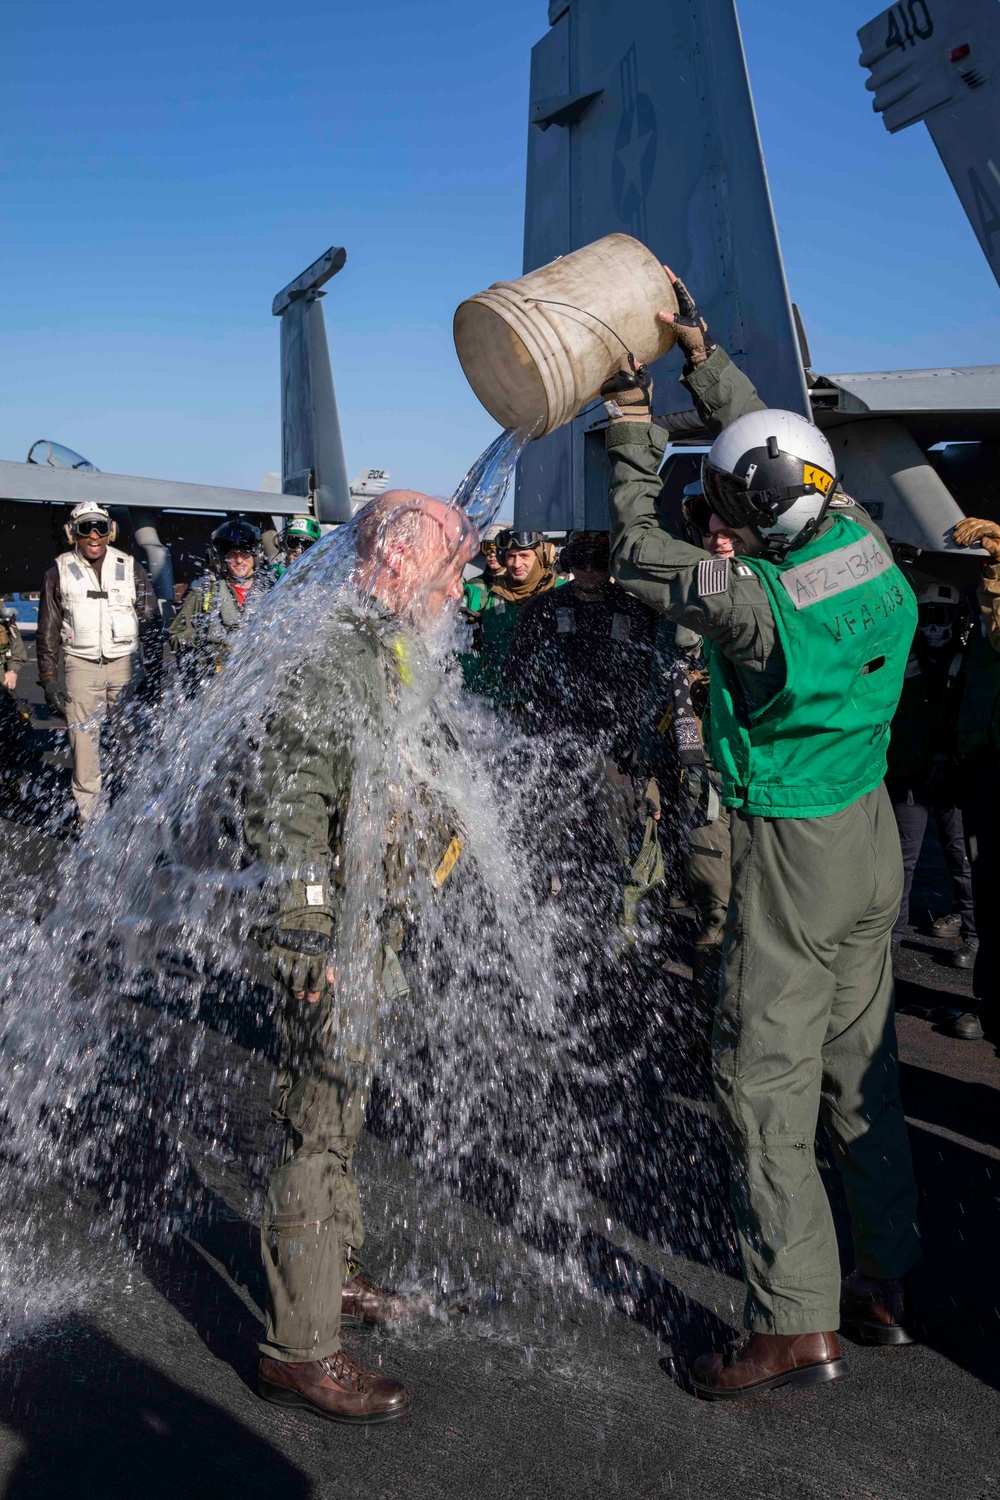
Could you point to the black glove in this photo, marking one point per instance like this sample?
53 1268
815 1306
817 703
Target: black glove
692 330
629 391
299 959
55 698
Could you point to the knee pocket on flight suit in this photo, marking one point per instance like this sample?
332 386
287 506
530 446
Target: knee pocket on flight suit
326 1105
312 1190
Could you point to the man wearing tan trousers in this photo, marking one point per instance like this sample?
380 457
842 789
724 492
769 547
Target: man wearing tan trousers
98 606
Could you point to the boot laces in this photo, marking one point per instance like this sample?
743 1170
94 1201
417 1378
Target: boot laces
341 1367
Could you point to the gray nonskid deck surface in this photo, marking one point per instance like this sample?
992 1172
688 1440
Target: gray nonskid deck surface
134 1376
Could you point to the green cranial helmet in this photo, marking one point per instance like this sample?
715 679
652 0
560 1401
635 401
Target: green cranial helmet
300 532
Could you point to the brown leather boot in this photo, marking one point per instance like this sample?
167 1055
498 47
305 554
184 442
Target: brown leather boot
875 1312
337 1388
768 1360
363 1302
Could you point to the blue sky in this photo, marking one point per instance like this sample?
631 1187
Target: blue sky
162 177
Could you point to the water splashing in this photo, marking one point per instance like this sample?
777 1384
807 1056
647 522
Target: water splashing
137 1009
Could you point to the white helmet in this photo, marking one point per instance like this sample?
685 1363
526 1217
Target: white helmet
88 510
931 591
774 472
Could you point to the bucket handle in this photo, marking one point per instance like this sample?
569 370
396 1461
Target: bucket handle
639 372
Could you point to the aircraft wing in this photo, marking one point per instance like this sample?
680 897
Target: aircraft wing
641 120
40 484
939 61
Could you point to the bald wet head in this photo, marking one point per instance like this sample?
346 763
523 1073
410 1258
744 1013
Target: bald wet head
412 549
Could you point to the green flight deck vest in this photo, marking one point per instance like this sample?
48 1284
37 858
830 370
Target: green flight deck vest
845 616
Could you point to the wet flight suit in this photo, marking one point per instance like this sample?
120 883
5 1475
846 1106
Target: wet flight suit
296 815
807 660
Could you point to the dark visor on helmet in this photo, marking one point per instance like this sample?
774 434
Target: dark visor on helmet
731 499
698 514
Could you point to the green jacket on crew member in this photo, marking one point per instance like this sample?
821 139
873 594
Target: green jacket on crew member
12 652
495 627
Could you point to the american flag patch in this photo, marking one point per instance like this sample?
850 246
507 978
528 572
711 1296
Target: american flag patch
713 576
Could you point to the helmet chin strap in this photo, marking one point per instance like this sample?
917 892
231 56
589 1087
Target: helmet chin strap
779 546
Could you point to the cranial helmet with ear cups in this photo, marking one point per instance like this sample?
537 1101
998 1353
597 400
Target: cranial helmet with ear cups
87 510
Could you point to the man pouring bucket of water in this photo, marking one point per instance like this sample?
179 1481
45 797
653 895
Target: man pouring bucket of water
808 627
808 633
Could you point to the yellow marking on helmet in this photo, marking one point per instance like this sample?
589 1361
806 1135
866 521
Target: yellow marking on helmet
447 864
404 656
817 477
667 720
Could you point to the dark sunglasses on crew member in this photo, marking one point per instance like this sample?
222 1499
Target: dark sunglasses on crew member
589 557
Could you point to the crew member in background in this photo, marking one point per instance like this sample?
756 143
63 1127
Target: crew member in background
922 778
808 635
201 632
577 669
979 781
525 577
298 534
579 656
98 607
708 849
13 729
490 559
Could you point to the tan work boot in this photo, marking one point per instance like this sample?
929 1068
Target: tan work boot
766 1361
336 1387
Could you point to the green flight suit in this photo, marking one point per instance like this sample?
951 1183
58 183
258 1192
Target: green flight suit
342 704
15 736
12 653
804 1027
201 633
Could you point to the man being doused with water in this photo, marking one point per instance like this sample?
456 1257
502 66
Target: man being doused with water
355 837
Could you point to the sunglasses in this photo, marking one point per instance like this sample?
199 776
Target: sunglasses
589 557
488 548
92 528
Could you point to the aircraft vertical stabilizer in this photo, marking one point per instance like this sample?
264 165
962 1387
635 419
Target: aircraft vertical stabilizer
312 451
641 120
939 61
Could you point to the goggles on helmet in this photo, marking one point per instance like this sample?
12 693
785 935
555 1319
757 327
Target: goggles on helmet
937 614
519 541
91 526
